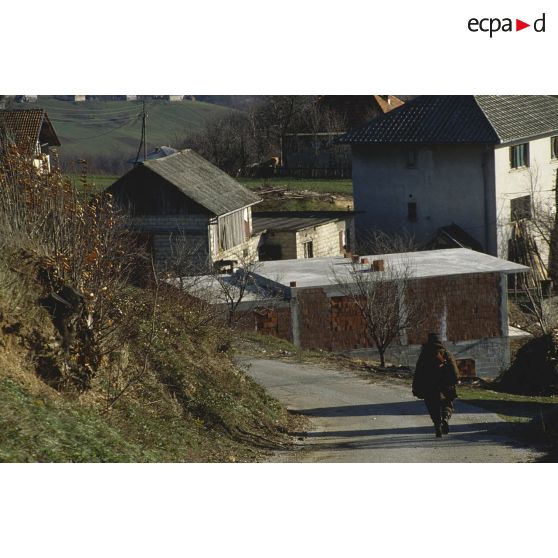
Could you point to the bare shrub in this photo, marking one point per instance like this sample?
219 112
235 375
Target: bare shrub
372 241
81 255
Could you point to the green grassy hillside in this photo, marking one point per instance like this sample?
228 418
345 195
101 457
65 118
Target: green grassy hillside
113 128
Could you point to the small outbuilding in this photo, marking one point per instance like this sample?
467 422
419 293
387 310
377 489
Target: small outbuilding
188 210
464 291
304 234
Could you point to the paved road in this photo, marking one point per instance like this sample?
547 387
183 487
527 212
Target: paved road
352 420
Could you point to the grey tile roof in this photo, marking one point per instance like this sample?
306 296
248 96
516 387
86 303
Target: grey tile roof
494 119
202 182
295 220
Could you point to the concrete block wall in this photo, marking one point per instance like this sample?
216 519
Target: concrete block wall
168 232
491 356
168 222
247 251
285 239
324 238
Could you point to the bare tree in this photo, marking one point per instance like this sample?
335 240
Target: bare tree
383 298
372 241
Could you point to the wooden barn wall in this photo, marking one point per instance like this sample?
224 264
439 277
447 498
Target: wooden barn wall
232 230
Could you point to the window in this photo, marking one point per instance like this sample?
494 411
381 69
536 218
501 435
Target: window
412 211
308 249
519 156
521 208
554 147
411 158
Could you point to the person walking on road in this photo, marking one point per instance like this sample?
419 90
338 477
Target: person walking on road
435 381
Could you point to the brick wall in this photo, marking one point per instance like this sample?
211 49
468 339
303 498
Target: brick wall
274 321
347 325
314 319
468 304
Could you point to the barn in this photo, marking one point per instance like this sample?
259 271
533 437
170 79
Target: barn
188 210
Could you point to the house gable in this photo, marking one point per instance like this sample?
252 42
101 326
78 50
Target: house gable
27 128
144 192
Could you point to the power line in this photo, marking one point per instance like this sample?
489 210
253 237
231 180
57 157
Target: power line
58 115
84 110
97 121
105 133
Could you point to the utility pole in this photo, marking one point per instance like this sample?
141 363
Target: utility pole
142 140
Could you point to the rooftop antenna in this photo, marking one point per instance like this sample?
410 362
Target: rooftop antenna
142 140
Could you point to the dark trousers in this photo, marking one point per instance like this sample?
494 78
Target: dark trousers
439 407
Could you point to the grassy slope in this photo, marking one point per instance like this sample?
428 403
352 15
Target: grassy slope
190 404
113 127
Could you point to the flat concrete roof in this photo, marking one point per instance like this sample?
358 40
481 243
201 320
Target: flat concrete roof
321 272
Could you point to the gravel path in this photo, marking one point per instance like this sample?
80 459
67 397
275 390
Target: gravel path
353 420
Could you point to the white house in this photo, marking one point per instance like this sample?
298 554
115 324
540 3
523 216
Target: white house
471 160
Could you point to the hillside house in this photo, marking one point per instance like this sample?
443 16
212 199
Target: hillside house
72 98
465 292
188 209
31 132
303 234
480 162
313 153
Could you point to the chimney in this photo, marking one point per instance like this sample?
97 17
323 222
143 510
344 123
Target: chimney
292 284
378 265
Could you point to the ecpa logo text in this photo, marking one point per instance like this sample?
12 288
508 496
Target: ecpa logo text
494 24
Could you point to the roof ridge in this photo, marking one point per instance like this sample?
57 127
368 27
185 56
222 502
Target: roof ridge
167 157
487 118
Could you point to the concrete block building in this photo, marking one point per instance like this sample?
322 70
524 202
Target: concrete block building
304 234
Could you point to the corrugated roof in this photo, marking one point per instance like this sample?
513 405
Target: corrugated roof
25 127
494 119
202 182
295 220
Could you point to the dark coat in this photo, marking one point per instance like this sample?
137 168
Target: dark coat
435 373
